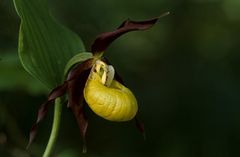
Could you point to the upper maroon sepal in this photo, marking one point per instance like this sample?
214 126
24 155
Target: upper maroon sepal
103 40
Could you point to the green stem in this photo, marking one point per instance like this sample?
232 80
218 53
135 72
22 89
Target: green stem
55 128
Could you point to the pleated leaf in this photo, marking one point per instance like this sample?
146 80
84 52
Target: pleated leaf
45 46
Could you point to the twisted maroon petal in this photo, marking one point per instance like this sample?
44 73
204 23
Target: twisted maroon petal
76 103
138 123
42 111
140 127
59 91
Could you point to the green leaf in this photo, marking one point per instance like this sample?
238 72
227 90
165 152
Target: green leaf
77 59
45 46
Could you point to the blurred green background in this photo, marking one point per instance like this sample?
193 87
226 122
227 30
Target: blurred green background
185 72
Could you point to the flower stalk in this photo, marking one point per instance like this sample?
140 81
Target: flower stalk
55 128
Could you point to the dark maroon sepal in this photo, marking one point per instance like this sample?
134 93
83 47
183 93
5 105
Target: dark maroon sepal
103 40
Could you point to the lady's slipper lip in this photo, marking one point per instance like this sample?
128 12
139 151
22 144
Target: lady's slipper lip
114 102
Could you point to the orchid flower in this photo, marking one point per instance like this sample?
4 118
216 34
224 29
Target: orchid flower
95 82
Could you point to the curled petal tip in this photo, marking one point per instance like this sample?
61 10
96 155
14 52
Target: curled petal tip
140 127
164 14
84 150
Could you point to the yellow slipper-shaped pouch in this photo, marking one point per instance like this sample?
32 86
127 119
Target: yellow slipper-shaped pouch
107 97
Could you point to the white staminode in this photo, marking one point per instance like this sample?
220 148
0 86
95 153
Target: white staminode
110 75
108 72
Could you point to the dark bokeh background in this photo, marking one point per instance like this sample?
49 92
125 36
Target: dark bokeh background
184 72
